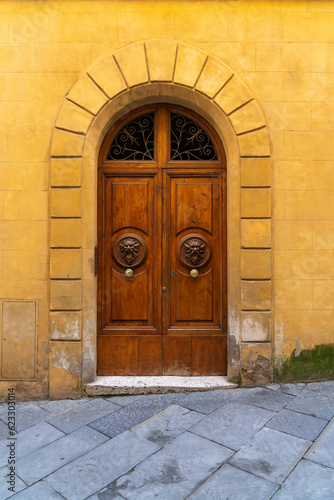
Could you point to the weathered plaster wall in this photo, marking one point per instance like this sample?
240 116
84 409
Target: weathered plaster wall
283 50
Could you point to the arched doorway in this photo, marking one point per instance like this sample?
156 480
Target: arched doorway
127 78
162 286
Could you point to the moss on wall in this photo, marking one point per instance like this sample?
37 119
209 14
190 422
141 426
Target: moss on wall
313 364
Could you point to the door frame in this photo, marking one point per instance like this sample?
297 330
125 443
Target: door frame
217 93
163 171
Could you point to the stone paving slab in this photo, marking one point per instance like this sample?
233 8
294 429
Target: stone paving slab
56 407
4 493
298 424
46 460
105 495
174 472
3 431
123 400
264 398
30 440
82 415
273 387
313 404
3 408
322 451
204 402
27 416
145 407
94 470
129 416
323 388
308 481
167 424
39 491
270 454
293 416
22 405
292 389
164 400
232 424
230 483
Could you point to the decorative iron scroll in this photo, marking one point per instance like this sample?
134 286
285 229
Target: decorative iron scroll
193 251
130 250
189 141
135 141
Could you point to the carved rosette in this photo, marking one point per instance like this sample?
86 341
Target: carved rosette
193 251
129 250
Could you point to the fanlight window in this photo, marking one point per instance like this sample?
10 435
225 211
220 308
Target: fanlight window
135 141
188 140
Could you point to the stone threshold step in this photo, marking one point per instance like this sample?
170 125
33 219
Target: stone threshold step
108 386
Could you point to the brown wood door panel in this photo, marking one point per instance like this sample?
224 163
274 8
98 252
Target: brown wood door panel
194 303
193 298
129 355
129 214
118 352
150 355
161 219
128 205
194 355
131 300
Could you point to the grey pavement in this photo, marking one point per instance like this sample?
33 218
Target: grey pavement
274 442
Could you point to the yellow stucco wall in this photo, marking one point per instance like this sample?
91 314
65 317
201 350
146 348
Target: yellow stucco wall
284 52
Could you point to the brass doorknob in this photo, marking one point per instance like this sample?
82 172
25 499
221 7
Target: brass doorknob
194 273
129 273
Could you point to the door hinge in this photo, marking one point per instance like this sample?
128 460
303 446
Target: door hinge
95 260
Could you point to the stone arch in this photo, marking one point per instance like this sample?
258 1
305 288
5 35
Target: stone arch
146 72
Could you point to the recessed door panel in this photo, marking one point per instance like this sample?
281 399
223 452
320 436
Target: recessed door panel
130 205
131 303
193 206
194 297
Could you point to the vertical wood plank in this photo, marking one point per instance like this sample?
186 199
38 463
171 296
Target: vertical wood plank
177 356
208 356
117 355
150 355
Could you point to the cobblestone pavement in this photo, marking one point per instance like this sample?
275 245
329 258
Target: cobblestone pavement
275 442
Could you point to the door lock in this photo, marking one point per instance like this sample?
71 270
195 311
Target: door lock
164 289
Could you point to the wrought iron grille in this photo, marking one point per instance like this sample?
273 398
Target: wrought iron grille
189 141
135 141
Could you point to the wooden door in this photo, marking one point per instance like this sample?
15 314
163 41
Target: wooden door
161 246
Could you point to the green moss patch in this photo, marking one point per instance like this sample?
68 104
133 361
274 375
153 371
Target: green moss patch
235 380
312 364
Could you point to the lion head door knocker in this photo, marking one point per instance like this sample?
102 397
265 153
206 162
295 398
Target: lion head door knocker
130 251
193 251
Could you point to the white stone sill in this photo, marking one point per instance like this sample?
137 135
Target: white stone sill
104 386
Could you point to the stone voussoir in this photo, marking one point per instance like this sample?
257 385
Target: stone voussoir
134 74
214 75
74 118
86 94
161 59
189 63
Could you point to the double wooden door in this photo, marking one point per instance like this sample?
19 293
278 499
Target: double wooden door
161 246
